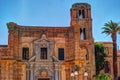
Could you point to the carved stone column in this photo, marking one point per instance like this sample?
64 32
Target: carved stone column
31 72
56 72
28 72
59 72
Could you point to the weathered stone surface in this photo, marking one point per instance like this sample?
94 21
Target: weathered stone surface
76 40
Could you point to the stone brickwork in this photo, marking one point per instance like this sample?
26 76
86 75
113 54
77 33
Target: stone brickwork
109 58
76 40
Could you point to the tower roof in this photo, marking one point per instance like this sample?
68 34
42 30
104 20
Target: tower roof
79 4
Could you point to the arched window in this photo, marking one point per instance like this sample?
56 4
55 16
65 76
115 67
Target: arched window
106 50
61 53
87 56
25 53
82 33
107 67
43 53
81 14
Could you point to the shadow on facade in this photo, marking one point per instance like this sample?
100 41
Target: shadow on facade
119 78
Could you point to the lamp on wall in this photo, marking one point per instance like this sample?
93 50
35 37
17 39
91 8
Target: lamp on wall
85 75
75 73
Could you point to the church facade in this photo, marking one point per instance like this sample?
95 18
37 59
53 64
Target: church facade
50 53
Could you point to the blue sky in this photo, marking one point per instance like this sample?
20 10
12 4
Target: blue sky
56 13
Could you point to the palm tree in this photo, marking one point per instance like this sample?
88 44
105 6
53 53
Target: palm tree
112 28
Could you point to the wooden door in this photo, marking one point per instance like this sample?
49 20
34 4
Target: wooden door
43 79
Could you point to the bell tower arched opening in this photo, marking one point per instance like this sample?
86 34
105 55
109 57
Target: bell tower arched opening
81 14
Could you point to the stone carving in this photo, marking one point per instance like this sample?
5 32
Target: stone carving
44 73
83 53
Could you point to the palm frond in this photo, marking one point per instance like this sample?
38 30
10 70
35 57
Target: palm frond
106 30
107 33
108 25
114 25
118 29
110 28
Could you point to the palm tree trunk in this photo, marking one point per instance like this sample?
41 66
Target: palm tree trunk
114 56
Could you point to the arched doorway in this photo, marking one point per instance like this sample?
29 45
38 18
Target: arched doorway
43 78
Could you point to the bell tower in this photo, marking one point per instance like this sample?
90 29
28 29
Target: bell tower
81 23
81 16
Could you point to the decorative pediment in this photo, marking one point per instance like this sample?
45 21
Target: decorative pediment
42 39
